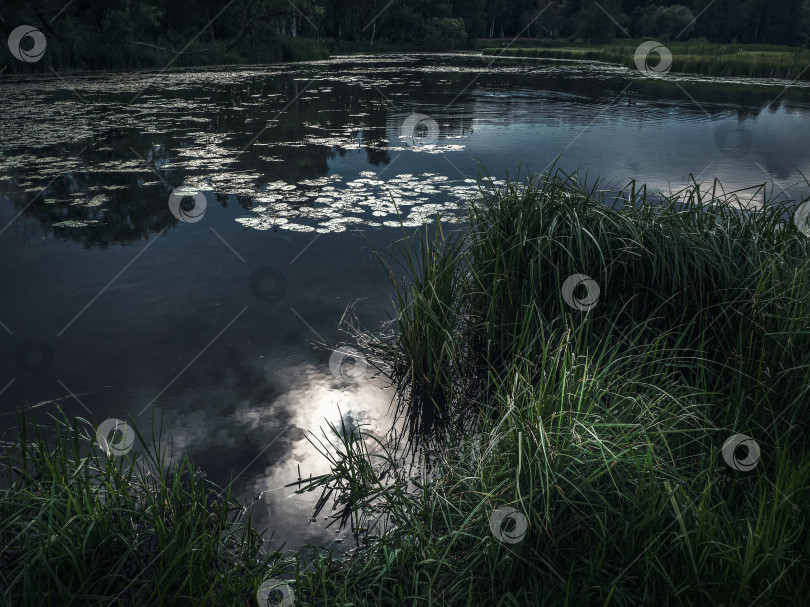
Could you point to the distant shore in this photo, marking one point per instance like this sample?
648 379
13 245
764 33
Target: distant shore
692 56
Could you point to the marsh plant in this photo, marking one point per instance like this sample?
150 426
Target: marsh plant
80 525
606 429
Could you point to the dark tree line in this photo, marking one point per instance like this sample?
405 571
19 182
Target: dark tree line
98 33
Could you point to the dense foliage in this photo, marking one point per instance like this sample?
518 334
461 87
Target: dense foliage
132 33
600 415
81 526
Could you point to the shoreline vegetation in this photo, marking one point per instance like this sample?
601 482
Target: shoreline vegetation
594 415
691 56
688 57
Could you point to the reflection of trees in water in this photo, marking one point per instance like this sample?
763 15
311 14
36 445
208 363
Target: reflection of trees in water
715 97
106 216
782 170
102 208
329 119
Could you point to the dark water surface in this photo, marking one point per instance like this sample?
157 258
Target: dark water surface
211 322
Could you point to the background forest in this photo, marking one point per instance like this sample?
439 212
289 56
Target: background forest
147 33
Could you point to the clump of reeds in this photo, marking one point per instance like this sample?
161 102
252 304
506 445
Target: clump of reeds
79 526
603 427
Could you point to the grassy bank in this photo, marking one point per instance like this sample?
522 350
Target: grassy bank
698 57
81 527
600 418
604 429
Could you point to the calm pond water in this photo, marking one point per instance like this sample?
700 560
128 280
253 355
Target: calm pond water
211 320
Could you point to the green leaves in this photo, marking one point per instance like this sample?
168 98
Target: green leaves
82 527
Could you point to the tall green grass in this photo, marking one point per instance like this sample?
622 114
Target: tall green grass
81 527
603 428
